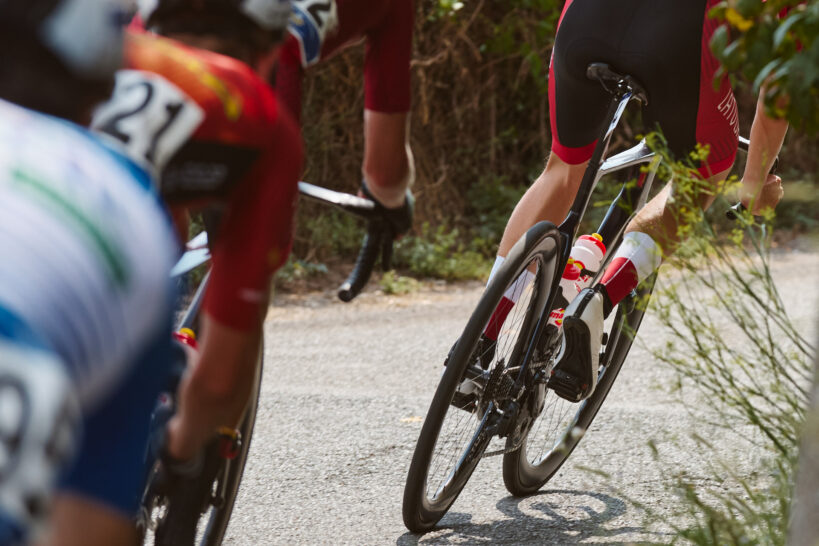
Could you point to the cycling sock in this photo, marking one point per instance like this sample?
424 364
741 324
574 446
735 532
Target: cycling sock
637 258
503 307
510 298
498 262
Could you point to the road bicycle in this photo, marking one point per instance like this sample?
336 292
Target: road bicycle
214 490
513 408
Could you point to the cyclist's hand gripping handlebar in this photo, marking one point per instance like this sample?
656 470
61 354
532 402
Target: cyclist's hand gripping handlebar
737 210
382 229
383 226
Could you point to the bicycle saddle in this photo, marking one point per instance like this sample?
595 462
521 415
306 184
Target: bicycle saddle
612 81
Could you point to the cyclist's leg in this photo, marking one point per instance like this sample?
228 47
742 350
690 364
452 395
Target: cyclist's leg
672 60
689 112
549 198
388 168
651 234
102 488
577 108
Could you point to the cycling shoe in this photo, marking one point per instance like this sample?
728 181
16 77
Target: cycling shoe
574 376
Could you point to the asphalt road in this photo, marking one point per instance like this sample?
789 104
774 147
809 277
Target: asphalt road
346 387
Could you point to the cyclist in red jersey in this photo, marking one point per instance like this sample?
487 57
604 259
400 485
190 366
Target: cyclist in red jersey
387 26
664 44
215 131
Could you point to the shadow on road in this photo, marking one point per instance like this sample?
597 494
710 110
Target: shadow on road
550 517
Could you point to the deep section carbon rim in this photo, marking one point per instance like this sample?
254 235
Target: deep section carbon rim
460 425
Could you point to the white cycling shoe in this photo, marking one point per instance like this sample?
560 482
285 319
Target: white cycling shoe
574 376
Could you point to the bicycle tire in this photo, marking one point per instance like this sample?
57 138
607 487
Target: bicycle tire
520 476
219 519
540 245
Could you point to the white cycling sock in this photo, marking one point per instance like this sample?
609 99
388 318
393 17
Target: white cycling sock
642 251
637 258
518 287
510 298
498 262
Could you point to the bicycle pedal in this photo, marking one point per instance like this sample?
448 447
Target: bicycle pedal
567 386
466 402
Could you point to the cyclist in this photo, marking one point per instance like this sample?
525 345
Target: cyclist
85 294
196 110
320 30
664 45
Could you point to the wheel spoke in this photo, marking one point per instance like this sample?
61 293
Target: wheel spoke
453 440
462 430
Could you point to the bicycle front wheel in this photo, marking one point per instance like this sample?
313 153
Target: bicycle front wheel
226 485
561 424
455 436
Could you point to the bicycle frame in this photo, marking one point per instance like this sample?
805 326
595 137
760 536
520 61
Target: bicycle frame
628 202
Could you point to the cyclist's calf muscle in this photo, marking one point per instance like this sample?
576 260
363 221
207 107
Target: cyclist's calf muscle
549 198
388 165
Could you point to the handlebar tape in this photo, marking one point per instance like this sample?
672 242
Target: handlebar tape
365 262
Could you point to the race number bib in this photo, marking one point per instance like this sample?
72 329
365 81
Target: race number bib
310 23
149 115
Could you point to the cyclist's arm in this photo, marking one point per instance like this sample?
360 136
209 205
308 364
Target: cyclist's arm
288 78
767 136
254 241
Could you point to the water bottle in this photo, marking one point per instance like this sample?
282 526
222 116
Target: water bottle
587 254
584 260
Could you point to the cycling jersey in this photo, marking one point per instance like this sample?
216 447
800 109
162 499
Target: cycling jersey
85 294
217 135
387 26
75 221
664 45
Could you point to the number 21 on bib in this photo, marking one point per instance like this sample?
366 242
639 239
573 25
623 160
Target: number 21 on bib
149 115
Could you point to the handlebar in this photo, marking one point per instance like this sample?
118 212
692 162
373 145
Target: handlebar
378 240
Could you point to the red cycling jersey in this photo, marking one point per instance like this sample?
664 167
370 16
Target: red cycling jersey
387 27
241 151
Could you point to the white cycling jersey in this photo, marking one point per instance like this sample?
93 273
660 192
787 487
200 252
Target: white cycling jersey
85 247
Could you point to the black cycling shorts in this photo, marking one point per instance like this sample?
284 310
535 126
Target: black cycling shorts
664 45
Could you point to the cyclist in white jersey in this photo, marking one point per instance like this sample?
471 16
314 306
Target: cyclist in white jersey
85 293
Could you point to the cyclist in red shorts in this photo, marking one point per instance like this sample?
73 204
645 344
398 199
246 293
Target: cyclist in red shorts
316 34
196 109
664 44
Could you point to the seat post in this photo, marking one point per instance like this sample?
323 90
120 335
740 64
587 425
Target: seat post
568 228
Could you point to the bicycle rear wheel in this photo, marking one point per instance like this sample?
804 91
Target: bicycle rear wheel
452 439
561 424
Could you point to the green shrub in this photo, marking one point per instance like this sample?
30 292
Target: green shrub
490 203
735 345
438 253
393 283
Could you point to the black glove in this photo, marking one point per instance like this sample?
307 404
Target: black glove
399 220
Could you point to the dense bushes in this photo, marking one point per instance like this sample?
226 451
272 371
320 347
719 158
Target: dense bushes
479 119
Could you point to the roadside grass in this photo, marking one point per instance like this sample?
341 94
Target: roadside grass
394 284
743 365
